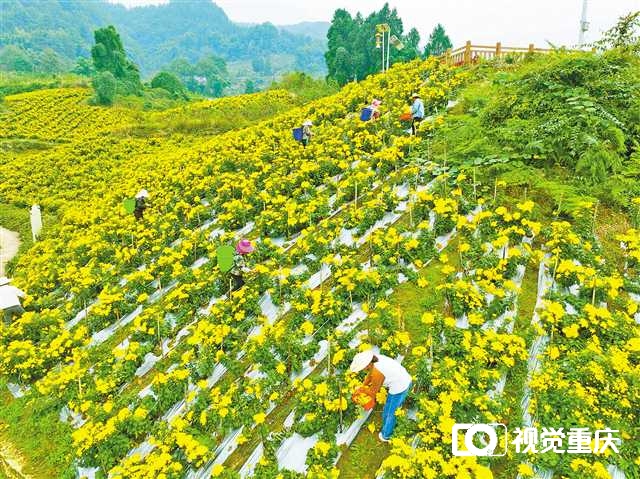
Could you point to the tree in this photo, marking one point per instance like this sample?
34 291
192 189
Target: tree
14 58
48 61
171 83
262 65
438 43
410 49
84 67
625 34
351 46
108 55
249 87
344 70
341 33
208 77
105 85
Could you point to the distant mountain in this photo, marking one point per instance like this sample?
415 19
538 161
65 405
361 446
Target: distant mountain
312 29
156 35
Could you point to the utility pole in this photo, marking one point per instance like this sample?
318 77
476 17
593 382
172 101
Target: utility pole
584 24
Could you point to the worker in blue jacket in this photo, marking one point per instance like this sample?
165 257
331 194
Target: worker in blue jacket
417 112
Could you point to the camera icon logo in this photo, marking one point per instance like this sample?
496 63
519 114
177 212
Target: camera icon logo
488 436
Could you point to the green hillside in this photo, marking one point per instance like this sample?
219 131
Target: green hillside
52 34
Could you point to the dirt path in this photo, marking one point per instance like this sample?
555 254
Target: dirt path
9 244
10 460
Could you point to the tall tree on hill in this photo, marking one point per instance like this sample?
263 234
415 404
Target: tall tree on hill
438 43
108 55
341 33
208 77
351 49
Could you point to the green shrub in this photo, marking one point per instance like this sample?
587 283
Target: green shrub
171 83
105 86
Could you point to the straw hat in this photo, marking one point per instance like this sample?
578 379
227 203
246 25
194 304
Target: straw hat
244 247
415 95
376 102
361 361
142 194
307 123
4 280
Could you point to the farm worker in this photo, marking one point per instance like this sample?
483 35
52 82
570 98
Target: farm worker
417 112
375 109
371 112
9 300
141 204
384 371
243 248
306 132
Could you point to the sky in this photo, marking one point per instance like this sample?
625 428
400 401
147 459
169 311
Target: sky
484 22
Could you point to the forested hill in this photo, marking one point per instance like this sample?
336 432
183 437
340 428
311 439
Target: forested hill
155 35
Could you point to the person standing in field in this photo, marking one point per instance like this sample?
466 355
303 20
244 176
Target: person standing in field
306 132
243 249
417 112
384 371
141 204
375 109
10 300
371 112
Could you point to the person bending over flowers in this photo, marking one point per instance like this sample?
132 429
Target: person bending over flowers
384 371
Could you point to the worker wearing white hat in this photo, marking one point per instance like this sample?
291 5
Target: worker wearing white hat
384 371
10 300
306 132
141 204
417 112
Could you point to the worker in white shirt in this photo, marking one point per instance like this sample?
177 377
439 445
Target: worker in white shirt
384 371
9 300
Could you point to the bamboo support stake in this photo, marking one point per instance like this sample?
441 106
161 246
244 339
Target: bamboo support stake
340 402
431 348
356 196
475 193
410 212
555 267
495 190
329 356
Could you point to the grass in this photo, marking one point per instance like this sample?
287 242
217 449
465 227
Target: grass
32 425
21 145
609 224
365 455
